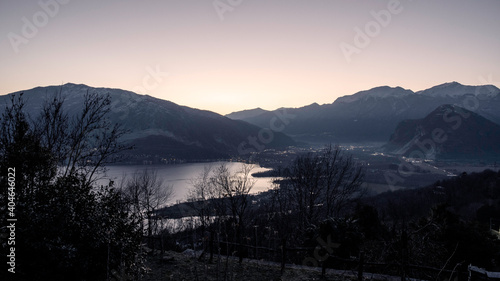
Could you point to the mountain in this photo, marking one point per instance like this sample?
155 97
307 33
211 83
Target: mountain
455 89
160 128
244 114
448 132
372 115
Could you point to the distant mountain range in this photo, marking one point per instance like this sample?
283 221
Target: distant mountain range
448 132
158 128
373 115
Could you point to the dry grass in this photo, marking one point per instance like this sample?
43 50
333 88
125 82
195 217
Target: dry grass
178 266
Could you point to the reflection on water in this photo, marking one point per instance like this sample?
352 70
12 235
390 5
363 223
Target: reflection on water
179 176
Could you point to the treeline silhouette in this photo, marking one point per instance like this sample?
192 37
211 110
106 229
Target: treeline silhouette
68 227
316 216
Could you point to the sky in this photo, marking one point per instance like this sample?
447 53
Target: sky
230 55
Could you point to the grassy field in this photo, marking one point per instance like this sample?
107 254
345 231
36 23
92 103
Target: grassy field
179 266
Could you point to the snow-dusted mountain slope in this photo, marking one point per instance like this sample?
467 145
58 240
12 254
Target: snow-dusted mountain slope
159 128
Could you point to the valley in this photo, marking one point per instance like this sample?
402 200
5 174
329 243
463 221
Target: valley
383 171
231 140
375 174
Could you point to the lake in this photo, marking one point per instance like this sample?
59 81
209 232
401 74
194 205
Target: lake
179 176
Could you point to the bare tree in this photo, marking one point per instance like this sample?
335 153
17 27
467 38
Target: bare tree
322 184
146 193
200 194
342 179
281 216
53 127
234 188
91 139
304 182
201 197
79 142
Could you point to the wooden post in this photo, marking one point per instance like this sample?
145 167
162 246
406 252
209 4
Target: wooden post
255 253
211 245
360 266
323 267
283 255
404 253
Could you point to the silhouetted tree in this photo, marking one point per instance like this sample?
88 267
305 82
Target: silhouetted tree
201 197
234 188
67 227
321 185
145 193
282 218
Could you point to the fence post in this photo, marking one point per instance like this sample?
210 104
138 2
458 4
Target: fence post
360 266
404 253
283 255
323 267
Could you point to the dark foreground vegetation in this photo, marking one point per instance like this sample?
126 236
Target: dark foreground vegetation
67 228
316 215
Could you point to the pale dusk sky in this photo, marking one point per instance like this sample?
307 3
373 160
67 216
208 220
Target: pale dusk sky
230 55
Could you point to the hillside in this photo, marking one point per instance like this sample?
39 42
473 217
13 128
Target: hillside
245 114
372 115
159 129
449 132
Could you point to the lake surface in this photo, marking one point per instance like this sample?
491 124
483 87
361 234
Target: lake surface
180 175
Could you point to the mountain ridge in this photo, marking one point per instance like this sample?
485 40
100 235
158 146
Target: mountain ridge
372 115
159 128
448 132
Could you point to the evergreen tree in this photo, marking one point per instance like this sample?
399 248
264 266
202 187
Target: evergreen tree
67 228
